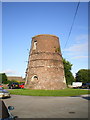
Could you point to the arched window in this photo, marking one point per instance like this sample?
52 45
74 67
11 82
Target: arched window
34 78
35 45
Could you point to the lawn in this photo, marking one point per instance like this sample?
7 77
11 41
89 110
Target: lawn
65 92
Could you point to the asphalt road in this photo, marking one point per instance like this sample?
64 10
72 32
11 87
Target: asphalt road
48 107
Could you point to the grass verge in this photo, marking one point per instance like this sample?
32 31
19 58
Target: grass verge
65 92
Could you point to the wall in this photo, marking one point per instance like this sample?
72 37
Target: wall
45 67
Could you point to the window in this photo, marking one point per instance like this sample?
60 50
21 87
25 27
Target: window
35 45
34 78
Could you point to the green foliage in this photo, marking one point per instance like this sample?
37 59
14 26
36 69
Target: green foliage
21 82
67 65
3 78
7 82
69 78
11 81
83 75
57 49
65 92
68 74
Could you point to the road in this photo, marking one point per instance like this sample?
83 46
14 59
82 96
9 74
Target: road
48 107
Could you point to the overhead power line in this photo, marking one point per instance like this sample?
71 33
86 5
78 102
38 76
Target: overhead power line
72 24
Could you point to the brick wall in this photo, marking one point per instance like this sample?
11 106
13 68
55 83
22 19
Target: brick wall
45 67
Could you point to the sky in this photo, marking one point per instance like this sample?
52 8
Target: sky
23 20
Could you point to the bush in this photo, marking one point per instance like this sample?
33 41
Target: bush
3 78
21 82
7 82
13 81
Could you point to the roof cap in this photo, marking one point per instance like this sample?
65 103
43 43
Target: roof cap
44 35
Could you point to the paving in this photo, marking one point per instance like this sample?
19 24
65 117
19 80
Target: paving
49 107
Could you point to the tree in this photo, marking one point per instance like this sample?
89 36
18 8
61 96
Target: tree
3 78
68 74
83 75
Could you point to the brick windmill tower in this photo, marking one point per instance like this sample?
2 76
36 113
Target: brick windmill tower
45 67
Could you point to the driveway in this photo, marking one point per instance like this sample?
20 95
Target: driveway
48 107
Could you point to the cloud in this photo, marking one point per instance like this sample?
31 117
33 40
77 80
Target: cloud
9 71
82 27
81 38
79 57
79 48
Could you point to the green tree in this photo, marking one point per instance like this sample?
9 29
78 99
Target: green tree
83 75
3 78
11 81
68 74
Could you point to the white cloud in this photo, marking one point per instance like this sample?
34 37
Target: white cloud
8 71
79 48
80 57
81 38
82 27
